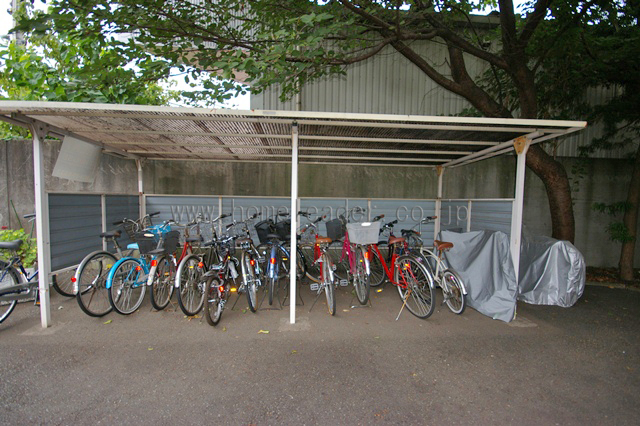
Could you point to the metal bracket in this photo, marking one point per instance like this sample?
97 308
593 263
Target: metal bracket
520 144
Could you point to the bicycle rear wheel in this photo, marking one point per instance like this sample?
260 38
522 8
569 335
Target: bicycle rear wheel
415 286
162 287
128 286
8 278
190 285
250 279
213 305
377 274
328 283
453 294
63 284
361 276
91 279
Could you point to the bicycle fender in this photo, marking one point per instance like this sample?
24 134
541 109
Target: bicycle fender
142 264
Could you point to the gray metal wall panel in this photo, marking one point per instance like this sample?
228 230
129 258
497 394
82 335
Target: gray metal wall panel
454 215
491 215
408 213
120 207
75 227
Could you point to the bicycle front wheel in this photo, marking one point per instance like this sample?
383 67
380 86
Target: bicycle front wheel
329 289
415 286
249 277
361 276
91 278
190 285
162 287
377 273
128 286
213 305
8 279
453 293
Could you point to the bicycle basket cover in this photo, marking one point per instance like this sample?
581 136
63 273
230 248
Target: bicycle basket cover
263 228
283 229
145 243
335 229
171 241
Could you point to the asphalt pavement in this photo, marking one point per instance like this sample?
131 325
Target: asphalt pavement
567 366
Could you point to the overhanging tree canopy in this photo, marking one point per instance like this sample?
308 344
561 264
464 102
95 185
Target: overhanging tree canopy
291 43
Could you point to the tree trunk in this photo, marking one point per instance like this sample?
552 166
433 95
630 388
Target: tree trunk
556 182
630 221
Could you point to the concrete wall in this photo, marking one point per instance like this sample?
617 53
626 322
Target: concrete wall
603 181
115 176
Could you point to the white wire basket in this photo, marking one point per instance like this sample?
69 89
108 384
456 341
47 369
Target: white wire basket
363 233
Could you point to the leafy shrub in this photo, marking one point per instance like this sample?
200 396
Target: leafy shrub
28 251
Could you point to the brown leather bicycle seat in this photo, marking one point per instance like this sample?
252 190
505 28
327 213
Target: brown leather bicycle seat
442 245
393 240
323 240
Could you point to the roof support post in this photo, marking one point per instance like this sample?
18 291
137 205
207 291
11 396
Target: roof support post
42 224
436 229
521 146
293 256
141 201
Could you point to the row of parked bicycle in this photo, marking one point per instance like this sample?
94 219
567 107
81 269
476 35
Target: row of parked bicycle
205 272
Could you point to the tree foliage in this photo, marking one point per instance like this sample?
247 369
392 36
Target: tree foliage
291 43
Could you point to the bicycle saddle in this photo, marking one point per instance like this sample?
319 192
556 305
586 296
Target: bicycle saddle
393 240
111 234
323 240
11 245
442 245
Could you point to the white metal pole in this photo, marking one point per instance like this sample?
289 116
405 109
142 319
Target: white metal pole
293 257
42 227
521 146
436 229
103 208
142 202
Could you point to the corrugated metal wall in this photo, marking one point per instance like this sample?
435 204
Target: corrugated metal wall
389 84
76 220
76 224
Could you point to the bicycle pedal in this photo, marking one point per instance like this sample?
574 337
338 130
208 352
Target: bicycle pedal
344 283
314 286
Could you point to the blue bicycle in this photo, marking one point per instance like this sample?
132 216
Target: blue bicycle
129 278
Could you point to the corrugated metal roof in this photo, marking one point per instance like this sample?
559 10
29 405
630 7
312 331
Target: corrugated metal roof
166 133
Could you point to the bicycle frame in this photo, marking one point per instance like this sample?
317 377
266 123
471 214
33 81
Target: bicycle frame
440 266
17 292
389 270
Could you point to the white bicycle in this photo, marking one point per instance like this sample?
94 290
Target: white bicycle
453 288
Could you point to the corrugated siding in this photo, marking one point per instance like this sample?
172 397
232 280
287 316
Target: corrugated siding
389 84
75 227
491 215
120 207
386 84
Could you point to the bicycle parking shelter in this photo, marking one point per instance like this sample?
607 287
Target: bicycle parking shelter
139 132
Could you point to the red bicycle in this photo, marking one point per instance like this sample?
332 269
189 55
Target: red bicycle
406 272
